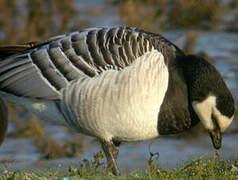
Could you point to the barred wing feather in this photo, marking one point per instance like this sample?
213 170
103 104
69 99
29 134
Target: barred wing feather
41 70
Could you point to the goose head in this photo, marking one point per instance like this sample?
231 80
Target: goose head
209 96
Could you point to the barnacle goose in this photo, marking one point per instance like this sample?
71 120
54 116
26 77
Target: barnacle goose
118 84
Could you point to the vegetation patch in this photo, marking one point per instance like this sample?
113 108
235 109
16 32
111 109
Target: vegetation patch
200 168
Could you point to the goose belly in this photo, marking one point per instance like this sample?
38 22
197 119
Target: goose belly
121 120
119 112
134 124
122 105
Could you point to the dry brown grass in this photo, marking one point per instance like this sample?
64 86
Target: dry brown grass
191 38
144 14
34 20
173 14
195 13
234 3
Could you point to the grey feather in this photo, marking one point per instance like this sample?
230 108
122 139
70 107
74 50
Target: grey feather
44 68
64 65
48 69
21 77
94 49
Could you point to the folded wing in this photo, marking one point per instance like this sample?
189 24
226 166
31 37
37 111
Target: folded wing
42 69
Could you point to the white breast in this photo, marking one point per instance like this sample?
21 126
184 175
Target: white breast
121 104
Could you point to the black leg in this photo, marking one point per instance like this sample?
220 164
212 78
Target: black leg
115 149
111 152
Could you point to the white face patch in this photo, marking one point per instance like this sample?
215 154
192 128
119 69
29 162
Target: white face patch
223 121
206 109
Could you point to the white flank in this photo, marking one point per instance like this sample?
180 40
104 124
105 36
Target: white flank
121 104
205 109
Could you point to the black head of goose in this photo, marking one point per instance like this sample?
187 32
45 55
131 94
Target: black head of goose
117 84
210 97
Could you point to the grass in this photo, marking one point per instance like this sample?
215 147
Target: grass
200 168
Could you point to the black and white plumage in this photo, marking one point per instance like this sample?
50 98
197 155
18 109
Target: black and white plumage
117 84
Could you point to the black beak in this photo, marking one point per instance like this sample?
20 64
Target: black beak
216 137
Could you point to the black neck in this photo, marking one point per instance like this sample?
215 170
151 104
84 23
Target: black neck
176 112
203 80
